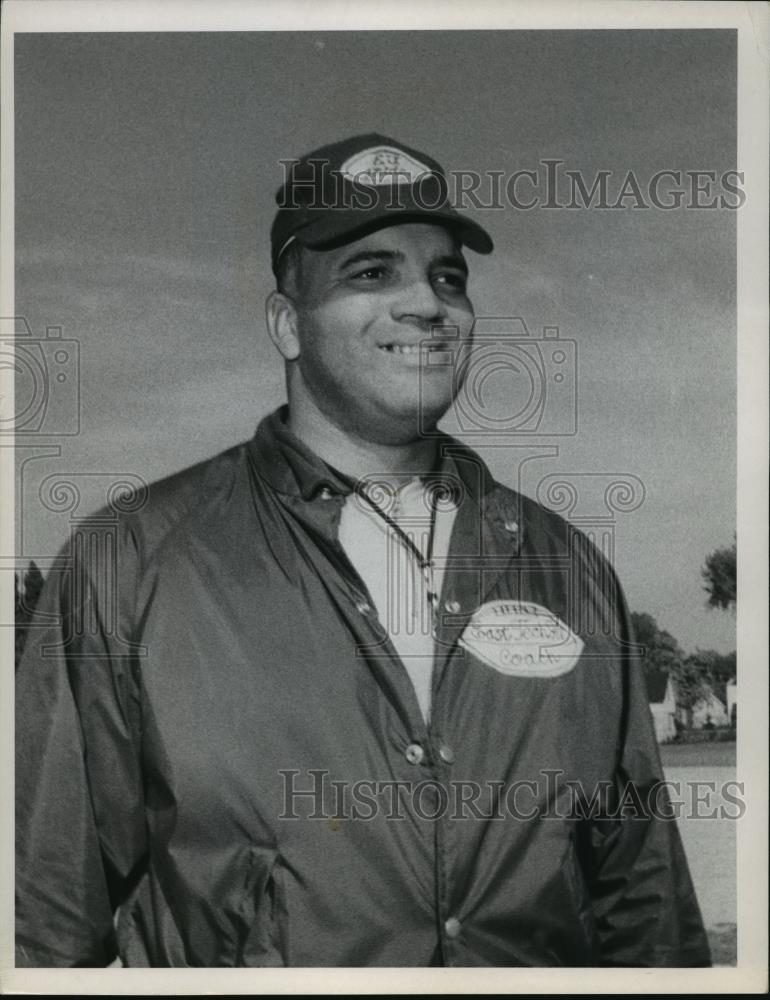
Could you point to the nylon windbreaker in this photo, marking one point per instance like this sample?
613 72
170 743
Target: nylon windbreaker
221 760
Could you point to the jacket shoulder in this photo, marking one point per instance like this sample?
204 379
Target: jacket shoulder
545 532
152 513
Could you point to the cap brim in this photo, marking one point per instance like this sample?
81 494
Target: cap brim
340 226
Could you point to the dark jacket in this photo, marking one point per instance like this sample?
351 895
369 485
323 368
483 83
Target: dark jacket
204 654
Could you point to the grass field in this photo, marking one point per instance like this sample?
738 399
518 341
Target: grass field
723 939
698 754
709 843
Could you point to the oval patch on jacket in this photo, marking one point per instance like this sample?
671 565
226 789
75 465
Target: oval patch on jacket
522 639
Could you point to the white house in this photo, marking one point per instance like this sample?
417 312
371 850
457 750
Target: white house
732 699
660 691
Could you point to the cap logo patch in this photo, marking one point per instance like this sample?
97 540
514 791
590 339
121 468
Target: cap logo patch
522 639
383 165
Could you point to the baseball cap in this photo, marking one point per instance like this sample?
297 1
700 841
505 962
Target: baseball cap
342 191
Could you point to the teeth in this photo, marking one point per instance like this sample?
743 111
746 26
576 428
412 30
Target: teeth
407 348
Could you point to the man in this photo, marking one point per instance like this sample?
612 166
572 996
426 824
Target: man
349 701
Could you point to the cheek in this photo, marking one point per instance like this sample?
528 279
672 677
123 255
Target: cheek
463 318
335 338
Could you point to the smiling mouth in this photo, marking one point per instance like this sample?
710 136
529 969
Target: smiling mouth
412 348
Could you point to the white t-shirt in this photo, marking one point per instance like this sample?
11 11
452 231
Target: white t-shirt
401 591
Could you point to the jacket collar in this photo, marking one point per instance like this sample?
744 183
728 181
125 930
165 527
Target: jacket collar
287 464
290 467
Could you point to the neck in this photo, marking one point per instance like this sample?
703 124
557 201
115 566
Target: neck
353 454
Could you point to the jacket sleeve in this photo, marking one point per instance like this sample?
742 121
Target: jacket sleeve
645 908
80 829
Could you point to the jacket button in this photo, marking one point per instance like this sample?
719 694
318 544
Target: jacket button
363 608
415 753
511 526
452 927
453 607
446 754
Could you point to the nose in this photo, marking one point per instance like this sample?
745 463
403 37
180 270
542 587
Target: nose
418 303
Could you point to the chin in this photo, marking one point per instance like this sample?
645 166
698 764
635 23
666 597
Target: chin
402 424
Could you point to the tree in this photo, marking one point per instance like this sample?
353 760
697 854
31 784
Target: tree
719 572
720 667
20 620
690 674
25 603
661 650
691 680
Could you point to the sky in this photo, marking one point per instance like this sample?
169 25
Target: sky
146 166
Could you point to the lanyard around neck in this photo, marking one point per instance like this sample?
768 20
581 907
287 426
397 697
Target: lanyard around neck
424 562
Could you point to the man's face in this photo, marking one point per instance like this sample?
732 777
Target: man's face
362 311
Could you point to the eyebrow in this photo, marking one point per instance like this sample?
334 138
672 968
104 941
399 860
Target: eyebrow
362 255
453 260
446 260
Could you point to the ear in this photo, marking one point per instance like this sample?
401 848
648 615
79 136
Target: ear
281 317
